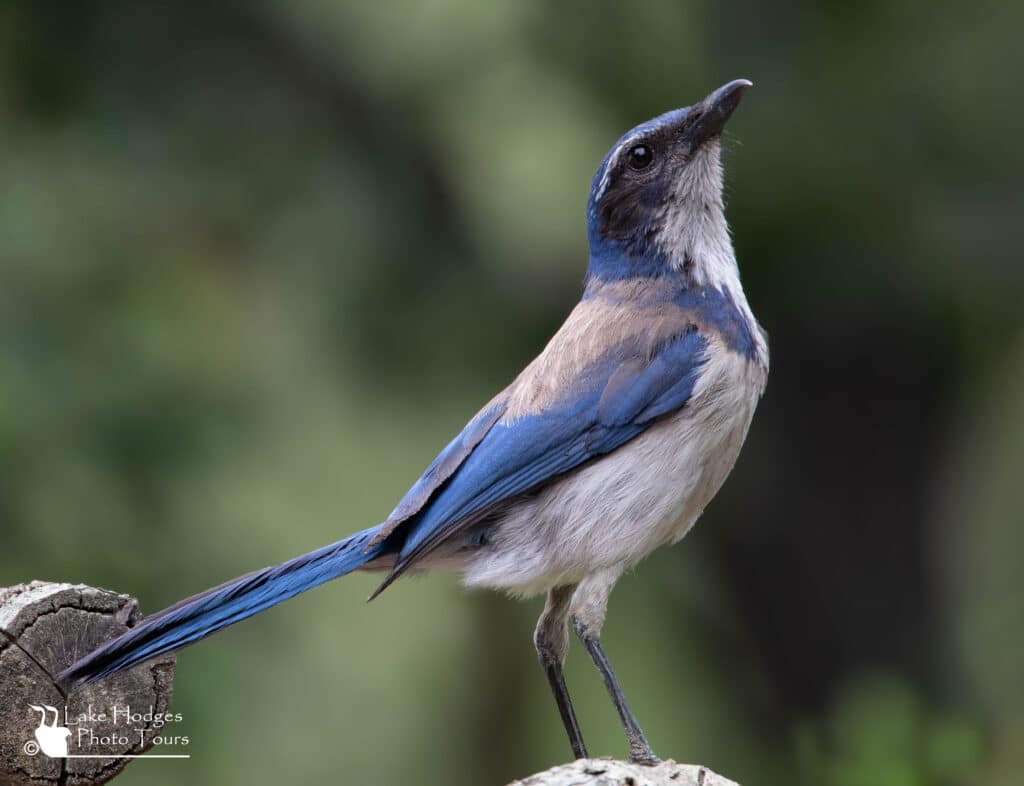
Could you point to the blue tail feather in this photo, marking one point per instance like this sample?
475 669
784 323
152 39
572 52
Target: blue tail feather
208 612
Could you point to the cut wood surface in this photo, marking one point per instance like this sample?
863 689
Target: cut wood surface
44 627
610 772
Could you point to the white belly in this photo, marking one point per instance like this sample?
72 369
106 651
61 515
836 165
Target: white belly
616 510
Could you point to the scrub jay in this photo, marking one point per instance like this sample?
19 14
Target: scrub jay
605 447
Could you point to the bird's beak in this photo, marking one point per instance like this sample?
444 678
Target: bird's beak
707 119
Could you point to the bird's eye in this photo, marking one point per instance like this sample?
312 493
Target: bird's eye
640 157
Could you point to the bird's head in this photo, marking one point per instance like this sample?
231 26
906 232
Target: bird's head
656 202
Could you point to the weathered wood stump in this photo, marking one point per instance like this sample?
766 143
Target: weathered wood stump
610 772
44 628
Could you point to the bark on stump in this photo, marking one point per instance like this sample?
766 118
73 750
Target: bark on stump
610 772
45 627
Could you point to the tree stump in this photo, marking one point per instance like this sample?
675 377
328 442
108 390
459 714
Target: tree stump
610 772
45 627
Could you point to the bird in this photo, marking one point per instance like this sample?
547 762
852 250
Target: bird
607 446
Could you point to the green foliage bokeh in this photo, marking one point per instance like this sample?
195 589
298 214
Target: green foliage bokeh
258 263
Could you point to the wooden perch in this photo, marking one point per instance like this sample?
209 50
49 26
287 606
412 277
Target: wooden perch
45 627
609 772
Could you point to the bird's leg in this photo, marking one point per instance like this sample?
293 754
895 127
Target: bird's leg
552 642
589 606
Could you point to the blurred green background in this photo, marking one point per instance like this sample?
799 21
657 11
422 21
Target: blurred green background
259 261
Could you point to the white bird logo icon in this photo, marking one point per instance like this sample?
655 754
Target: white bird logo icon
52 739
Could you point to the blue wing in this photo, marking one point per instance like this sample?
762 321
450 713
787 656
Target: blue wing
495 458
442 467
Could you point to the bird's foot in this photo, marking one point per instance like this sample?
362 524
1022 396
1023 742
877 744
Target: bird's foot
642 754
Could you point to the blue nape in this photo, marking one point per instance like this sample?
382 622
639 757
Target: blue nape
709 307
